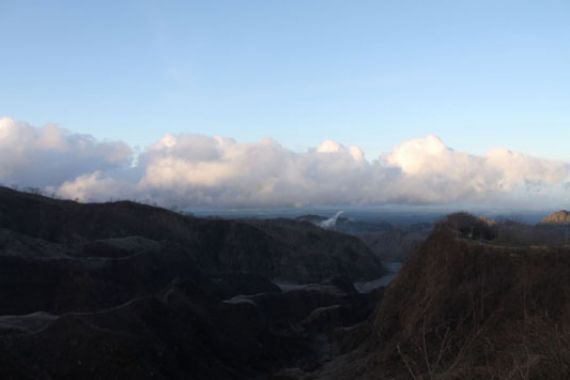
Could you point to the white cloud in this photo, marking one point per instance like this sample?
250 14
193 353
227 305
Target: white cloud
194 170
50 155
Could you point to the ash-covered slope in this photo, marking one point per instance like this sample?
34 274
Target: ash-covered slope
464 307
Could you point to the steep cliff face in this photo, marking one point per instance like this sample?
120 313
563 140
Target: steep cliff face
468 309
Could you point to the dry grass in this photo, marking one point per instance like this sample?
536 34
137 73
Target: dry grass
467 309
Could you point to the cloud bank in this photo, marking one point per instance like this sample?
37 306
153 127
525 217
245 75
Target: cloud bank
39 157
201 171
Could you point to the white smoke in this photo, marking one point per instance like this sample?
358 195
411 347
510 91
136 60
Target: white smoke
194 170
330 222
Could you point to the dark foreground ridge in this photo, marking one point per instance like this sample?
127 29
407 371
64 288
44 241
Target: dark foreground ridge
127 291
468 305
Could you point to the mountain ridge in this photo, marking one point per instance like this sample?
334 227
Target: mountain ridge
561 217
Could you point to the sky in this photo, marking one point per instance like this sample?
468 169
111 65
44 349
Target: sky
469 77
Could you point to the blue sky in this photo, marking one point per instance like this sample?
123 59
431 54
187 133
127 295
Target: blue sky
478 74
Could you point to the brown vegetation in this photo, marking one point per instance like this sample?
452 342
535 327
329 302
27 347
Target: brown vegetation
559 217
469 309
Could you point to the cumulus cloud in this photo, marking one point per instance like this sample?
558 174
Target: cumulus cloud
446 175
48 156
194 170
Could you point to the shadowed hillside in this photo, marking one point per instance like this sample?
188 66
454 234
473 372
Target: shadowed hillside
388 242
464 307
277 249
128 291
123 290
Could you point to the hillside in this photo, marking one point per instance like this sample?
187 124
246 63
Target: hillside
276 249
388 242
123 290
557 218
466 308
